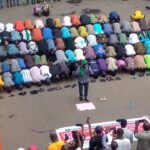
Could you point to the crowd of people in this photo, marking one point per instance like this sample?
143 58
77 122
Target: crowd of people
34 53
122 138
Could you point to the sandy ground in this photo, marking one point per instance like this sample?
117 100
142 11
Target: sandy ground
51 110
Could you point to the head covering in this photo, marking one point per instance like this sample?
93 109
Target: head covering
21 149
32 147
57 23
9 27
98 129
2 27
82 69
67 21
84 62
138 15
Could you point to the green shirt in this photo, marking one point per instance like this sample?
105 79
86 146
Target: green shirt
147 60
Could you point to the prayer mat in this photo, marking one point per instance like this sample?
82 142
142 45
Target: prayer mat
85 106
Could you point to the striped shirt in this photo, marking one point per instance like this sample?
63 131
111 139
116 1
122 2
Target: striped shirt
26 76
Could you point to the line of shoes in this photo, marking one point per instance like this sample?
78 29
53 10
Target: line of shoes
141 74
32 92
106 79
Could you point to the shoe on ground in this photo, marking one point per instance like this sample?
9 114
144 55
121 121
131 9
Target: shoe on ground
147 7
102 80
132 77
81 98
112 79
101 99
147 73
118 78
86 99
108 79
141 74
104 99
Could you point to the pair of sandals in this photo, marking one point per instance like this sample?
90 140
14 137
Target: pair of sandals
11 95
110 79
93 80
147 73
141 74
22 93
73 86
102 99
54 88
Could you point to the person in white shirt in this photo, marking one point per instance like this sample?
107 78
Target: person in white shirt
67 21
79 54
9 27
80 42
133 38
123 143
127 132
44 69
91 40
27 78
2 27
39 23
26 35
129 50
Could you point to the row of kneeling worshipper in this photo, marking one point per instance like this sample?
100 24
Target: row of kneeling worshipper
53 51
38 69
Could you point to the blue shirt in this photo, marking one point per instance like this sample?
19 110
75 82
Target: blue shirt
47 33
65 32
21 63
98 28
147 46
70 55
17 78
5 67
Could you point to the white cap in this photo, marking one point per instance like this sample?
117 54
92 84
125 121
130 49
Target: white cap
67 21
21 149
9 27
2 27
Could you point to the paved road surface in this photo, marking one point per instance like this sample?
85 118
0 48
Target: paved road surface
57 109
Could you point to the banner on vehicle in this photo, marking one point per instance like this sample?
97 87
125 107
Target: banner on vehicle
108 128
